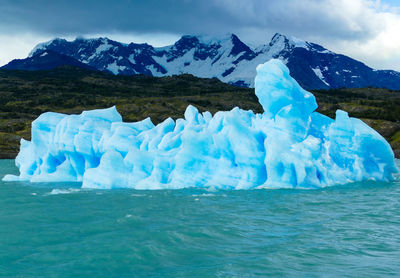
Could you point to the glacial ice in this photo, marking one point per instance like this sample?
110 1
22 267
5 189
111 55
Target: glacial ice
288 146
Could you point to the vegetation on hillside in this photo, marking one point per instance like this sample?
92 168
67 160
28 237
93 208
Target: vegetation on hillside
25 95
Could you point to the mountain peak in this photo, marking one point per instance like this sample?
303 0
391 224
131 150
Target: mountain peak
287 42
239 46
83 39
210 40
44 45
278 37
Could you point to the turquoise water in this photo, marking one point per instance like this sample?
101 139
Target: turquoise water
59 230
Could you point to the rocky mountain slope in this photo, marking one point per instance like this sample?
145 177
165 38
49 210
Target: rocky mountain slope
45 60
227 58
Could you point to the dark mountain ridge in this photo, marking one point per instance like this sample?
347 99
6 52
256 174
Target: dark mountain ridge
226 58
45 60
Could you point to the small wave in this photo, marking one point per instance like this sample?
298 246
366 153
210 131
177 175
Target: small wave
63 191
397 175
203 195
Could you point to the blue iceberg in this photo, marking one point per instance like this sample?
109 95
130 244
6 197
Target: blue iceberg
288 146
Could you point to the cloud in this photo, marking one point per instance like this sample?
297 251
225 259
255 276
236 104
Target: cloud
17 46
364 29
339 19
382 49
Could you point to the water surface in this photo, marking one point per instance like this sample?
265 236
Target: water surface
60 230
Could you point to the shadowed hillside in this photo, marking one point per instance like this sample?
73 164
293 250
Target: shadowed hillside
25 95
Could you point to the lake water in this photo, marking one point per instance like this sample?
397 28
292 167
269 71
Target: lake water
59 230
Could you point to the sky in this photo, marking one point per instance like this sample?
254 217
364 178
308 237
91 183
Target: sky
367 30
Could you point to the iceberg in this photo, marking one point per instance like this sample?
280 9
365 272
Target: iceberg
288 146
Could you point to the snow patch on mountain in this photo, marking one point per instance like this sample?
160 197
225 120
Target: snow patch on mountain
103 47
115 68
298 42
318 73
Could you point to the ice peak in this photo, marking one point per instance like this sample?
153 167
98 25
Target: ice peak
276 89
296 42
44 45
287 42
278 38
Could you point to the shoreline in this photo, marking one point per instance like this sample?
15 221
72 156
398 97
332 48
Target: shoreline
8 155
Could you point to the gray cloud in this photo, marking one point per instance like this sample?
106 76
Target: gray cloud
333 23
104 16
305 17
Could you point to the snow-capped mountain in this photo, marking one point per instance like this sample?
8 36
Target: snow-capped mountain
45 60
226 58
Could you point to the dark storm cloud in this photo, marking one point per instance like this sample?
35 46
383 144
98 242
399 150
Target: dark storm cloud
105 16
364 29
305 18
